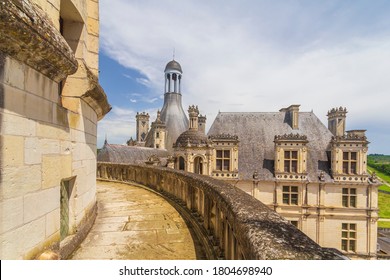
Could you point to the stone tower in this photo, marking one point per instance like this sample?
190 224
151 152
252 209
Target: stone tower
142 127
336 121
172 113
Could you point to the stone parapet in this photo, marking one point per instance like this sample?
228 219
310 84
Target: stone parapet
234 224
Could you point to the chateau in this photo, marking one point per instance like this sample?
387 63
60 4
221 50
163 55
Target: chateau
50 104
51 101
315 176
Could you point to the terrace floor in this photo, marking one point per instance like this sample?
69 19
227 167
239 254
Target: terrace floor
134 223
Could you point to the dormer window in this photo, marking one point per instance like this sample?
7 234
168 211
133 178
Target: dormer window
291 156
225 156
349 156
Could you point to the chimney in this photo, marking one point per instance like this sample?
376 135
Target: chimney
336 121
193 113
292 115
202 123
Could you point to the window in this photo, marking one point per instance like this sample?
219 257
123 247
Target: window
181 163
290 195
157 135
349 197
348 237
291 161
349 162
223 160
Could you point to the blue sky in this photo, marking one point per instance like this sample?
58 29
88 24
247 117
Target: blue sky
248 56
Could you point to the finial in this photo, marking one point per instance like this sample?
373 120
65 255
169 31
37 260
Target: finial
105 141
173 53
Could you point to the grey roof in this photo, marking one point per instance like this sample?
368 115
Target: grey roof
194 137
173 65
256 132
128 154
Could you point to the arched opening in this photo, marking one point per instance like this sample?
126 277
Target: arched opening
181 163
198 165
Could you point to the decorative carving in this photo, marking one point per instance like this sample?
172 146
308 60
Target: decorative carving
350 135
223 136
131 142
193 110
291 137
338 111
153 160
374 177
322 176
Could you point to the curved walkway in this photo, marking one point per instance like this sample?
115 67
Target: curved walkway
134 223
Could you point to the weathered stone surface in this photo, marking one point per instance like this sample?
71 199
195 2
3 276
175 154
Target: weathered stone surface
259 232
10 150
123 231
29 36
39 203
96 97
86 83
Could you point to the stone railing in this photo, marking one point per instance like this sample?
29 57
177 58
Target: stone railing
229 223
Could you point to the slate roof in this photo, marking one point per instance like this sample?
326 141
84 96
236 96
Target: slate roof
256 132
129 154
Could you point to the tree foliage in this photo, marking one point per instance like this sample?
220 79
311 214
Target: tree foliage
380 163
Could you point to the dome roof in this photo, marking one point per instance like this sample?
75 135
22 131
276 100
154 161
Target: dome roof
192 137
173 65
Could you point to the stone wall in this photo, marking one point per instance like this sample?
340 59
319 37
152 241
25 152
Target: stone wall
47 145
231 223
320 213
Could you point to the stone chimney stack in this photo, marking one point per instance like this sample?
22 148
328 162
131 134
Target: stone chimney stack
193 113
336 121
292 114
202 123
142 126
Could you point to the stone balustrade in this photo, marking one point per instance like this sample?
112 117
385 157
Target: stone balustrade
229 223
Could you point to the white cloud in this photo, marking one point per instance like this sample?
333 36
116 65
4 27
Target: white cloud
127 76
143 81
257 55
